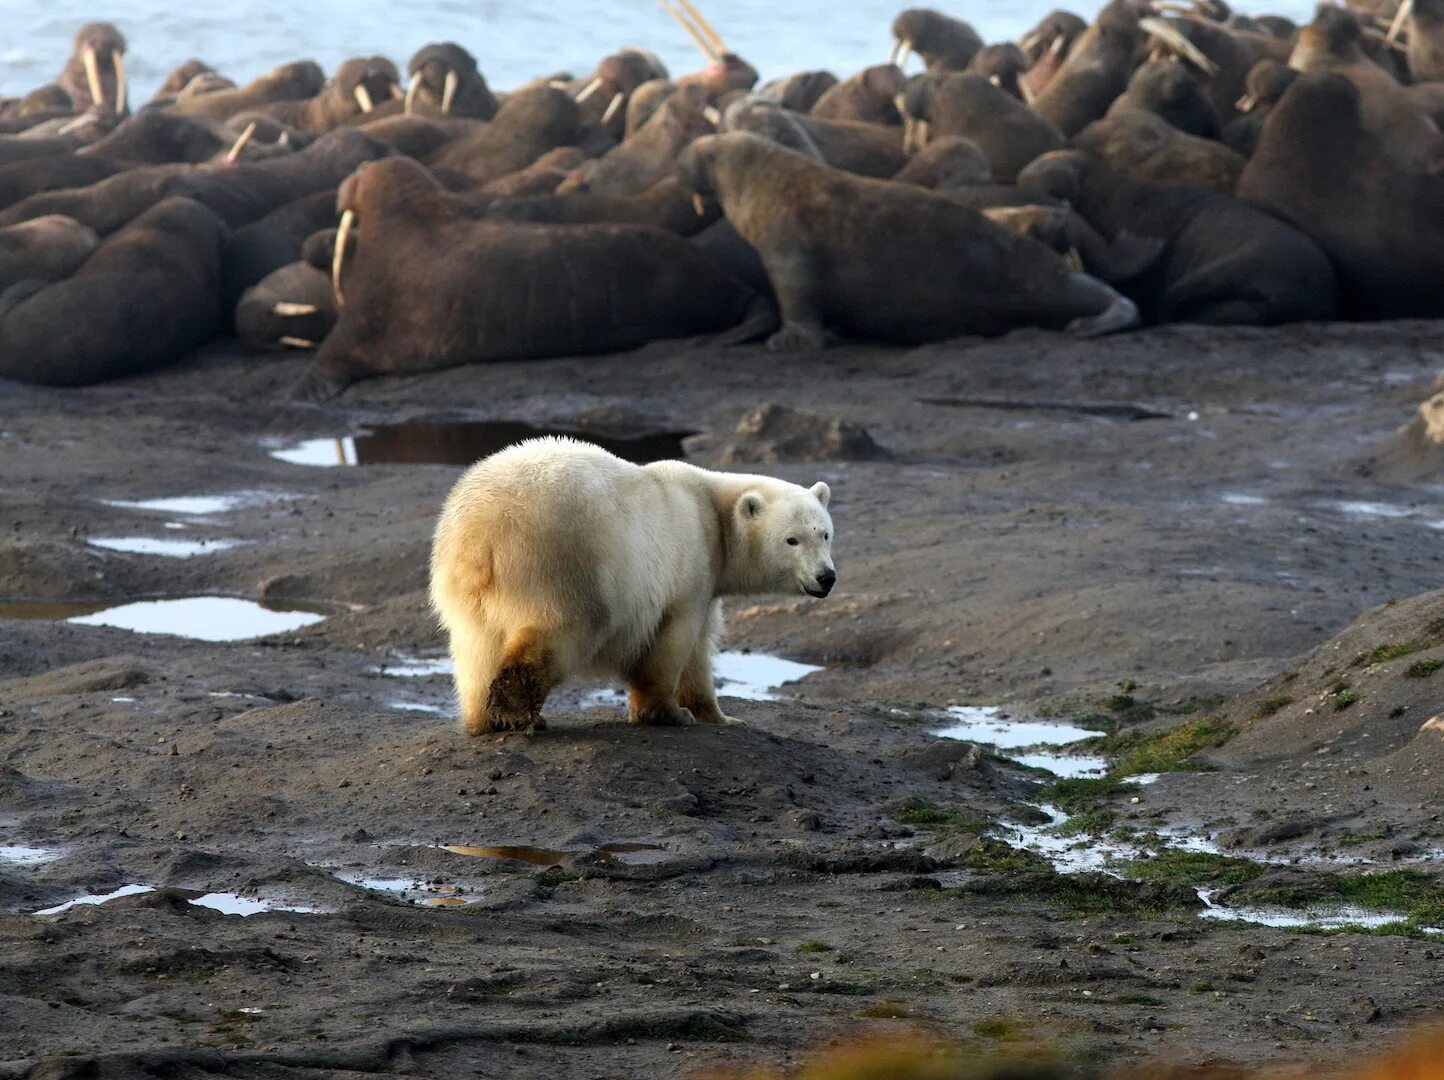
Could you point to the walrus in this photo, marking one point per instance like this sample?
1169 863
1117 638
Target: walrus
667 204
1426 39
1067 232
444 79
645 101
94 76
865 149
1095 72
867 97
155 137
1046 48
529 123
296 81
648 155
950 161
1267 80
182 77
26 178
292 307
1007 131
273 241
1169 90
1146 147
1002 65
18 148
541 177
843 251
358 86
147 297
505 290
607 92
1223 261
1380 219
798 92
945 44
44 249
104 206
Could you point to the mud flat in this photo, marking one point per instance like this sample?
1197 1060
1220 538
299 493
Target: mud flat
1188 807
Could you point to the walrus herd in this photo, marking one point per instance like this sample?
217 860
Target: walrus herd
1171 161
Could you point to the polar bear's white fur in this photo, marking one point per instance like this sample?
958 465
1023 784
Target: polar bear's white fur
554 558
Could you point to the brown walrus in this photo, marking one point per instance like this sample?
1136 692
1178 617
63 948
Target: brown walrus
1095 72
1007 131
94 76
293 307
798 92
290 82
1168 89
949 161
1146 147
843 252
865 149
1222 260
607 92
1046 49
445 80
1267 80
667 204
44 249
146 298
1002 65
1426 40
866 97
104 206
648 154
1380 219
358 86
944 43
505 290
541 177
529 123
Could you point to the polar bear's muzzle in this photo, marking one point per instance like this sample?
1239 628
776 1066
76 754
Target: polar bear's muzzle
823 585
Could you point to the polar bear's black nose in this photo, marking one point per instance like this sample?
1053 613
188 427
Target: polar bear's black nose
825 581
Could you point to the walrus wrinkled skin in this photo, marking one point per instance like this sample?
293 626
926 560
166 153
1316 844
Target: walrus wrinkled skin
1008 132
431 287
289 82
293 307
1381 220
1222 262
529 123
147 297
44 249
843 252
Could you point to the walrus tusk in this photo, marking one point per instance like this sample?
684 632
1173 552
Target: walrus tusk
590 89
900 104
286 309
905 50
119 65
705 27
76 124
394 89
1031 40
699 204
1074 258
448 90
92 76
241 143
1059 44
692 32
297 342
343 233
1246 103
1406 9
1170 35
996 80
412 89
924 132
712 115
363 98
613 106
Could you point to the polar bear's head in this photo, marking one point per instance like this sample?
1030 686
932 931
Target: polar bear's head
786 537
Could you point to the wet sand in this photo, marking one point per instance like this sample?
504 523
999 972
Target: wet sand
1195 511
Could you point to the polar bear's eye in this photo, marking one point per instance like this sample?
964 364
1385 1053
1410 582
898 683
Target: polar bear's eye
792 541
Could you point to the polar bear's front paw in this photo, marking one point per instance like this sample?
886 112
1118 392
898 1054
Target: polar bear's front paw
710 714
661 714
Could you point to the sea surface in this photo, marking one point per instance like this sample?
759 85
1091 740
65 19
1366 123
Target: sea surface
514 40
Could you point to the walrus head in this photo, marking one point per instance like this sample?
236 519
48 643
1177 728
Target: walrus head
1059 174
387 187
100 47
1265 85
1002 65
181 77
943 42
1054 35
365 82
617 77
446 78
946 164
1334 38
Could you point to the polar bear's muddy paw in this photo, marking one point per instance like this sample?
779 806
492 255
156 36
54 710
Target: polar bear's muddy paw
709 713
658 713
514 701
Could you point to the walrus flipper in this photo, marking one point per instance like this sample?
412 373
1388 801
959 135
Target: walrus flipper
760 321
1118 312
319 384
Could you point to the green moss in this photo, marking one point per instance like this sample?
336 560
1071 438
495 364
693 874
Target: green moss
885 1010
1077 795
1422 669
1137 999
923 814
1002 858
1416 896
1194 867
1088 823
814 947
1203 986
1382 654
1082 894
1170 750
1001 1029
1271 706
1341 697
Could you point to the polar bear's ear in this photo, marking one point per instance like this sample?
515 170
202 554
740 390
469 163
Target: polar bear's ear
822 491
750 504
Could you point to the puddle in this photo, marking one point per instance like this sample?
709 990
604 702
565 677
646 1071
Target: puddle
1372 509
632 854
227 903
1234 498
988 724
413 890
1068 766
465 442
412 667
170 549
419 706
201 618
1322 918
22 855
198 505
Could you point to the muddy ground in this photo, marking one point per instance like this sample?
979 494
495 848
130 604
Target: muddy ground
1196 512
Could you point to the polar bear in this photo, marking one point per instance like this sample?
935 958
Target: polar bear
554 558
